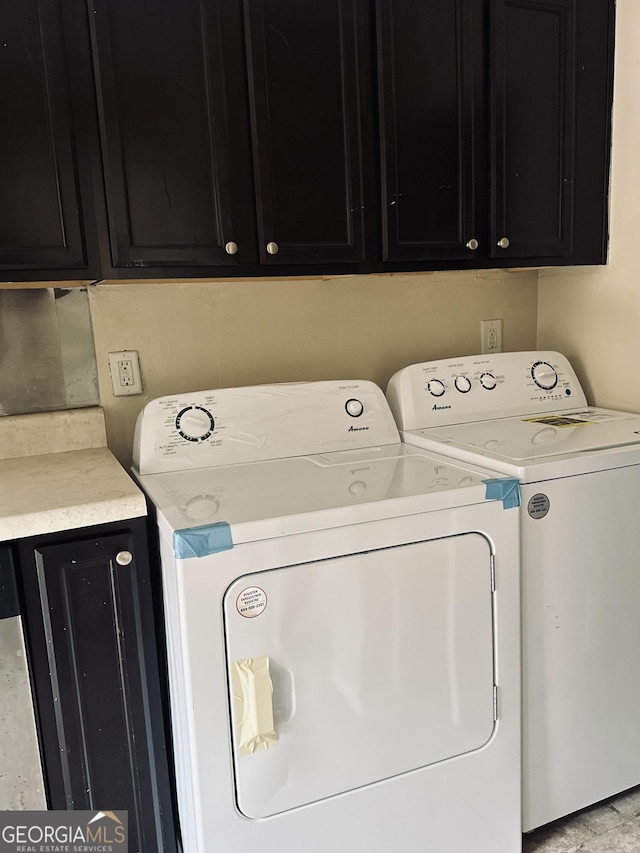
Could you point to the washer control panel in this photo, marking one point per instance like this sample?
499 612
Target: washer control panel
253 424
482 387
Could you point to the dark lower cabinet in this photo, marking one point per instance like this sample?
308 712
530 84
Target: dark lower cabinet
89 627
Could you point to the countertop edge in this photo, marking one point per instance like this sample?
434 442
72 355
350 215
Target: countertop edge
65 491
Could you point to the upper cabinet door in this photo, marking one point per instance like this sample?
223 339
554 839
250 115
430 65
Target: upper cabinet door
40 170
430 60
533 88
170 84
305 92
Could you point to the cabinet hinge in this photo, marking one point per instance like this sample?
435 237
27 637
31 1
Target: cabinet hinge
492 563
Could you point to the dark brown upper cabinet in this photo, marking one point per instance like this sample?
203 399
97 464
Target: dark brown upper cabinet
289 137
533 123
306 77
430 84
197 99
46 217
171 99
495 123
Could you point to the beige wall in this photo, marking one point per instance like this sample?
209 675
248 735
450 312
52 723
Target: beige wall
593 315
199 335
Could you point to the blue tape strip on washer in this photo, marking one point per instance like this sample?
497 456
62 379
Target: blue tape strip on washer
202 541
506 489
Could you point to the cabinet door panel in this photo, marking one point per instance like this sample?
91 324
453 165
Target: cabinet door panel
88 631
40 213
305 90
166 79
533 118
430 79
594 85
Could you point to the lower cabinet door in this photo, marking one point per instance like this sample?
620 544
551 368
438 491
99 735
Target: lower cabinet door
90 638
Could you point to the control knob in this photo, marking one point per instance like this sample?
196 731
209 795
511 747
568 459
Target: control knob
435 387
488 381
463 384
194 423
354 407
544 375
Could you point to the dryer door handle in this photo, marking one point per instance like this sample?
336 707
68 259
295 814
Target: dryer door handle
284 693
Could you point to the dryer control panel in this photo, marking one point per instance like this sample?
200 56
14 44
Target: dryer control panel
483 387
255 424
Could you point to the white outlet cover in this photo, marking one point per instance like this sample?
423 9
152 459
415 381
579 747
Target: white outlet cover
490 335
125 364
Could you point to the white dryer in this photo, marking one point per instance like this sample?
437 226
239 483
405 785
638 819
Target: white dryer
342 626
525 415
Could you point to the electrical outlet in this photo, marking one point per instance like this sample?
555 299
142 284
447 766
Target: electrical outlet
490 336
125 373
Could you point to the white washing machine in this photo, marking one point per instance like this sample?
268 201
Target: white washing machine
525 414
342 626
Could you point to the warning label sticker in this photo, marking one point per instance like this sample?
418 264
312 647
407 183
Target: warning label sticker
251 602
558 421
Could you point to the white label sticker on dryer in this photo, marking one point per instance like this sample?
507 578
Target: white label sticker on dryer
251 602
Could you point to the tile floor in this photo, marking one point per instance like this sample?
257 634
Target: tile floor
612 826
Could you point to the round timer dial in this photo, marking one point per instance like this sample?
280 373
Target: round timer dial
463 384
435 387
194 423
544 375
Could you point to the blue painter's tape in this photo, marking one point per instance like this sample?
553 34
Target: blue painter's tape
506 489
202 541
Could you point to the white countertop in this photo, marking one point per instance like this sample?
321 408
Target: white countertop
56 473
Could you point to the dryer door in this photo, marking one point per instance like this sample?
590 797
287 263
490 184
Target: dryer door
351 670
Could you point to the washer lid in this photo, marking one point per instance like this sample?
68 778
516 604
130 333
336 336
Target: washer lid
266 499
539 438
